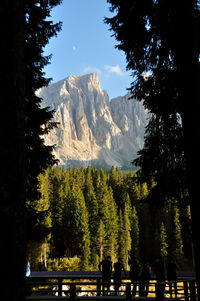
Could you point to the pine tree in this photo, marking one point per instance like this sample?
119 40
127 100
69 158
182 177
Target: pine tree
135 192
163 241
122 238
57 205
127 227
108 214
112 231
115 181
101 239
185 218
80 236
164 58
102 197
92 207
112 226
38 31
23 26
177 242
135 233
40 235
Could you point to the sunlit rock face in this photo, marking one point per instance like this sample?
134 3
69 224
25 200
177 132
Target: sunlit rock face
93 130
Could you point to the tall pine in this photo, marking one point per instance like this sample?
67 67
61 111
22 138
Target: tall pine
161 43
121 238
38 31
92 207
163 241
79 226
135 232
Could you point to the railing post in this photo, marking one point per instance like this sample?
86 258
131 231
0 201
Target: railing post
72 291
186 290
128 291
192 290
60 287
98 287
160 289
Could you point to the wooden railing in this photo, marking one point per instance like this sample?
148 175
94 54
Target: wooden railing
64 288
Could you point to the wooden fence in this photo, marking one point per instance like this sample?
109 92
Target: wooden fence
86 288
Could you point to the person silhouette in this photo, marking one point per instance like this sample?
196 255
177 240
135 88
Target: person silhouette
105 268
118 268
134 275
145 276
159 270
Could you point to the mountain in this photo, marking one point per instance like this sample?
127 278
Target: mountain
93 130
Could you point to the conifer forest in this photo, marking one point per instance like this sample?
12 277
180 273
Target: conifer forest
84 215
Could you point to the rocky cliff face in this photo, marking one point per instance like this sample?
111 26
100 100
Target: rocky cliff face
92 130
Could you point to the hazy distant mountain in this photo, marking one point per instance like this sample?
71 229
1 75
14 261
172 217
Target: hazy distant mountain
92 130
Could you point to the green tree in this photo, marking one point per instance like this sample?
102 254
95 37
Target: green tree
92 207
79 226
135 234
38 31
163 241
107 213
178 242
101 238
111 226
57 205
164 58
185 219
38 239
127 228
112 231
174 232
124 233
22 51
122 238
115 181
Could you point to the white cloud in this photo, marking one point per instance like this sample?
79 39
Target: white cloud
90 69
73 48
114 69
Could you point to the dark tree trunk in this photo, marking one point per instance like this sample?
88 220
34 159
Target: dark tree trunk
12 190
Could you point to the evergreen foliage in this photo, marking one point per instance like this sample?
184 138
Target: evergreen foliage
38 156
163 241
135 236
25 31
121 238
86 221
161 43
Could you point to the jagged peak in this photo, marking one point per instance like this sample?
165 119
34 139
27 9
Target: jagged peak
74 80
86 78
89 130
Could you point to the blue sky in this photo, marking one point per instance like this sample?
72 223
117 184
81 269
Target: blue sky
85 45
